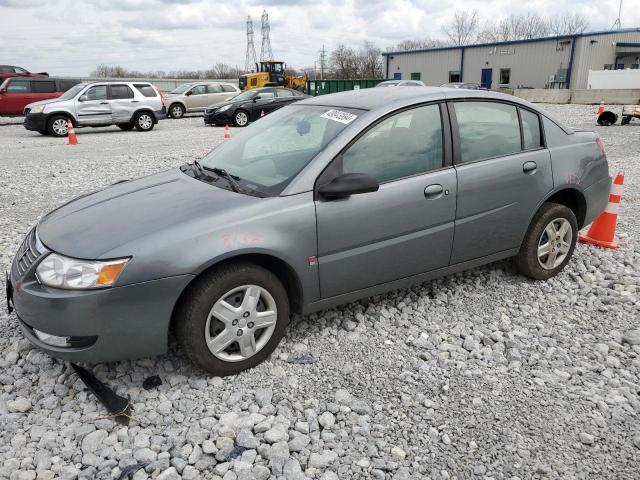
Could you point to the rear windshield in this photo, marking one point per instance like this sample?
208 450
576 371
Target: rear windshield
145 89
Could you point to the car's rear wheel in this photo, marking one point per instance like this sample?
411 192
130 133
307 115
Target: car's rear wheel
143 122
57 126
549 242
176 111
241 118
232 318
126 126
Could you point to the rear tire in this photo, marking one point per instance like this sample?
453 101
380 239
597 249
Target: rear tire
176 111
57 125
143 121
125 126
249 344
241 118
549 242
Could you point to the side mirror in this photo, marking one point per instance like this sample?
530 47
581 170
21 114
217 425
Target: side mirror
349 184
256 98
83 98
189 93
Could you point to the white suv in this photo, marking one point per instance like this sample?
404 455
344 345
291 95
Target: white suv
128 105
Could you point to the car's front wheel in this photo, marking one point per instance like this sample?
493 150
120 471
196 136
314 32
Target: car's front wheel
549 242
232 318
176 111
143 122
241 118
57 126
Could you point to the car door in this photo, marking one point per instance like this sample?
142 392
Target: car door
284 97
18 94
264 104
406 227
504 172
197 98
215 94
93 107
123 102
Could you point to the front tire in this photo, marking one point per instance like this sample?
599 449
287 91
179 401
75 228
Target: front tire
549 242
176 111
143 122
57 126
232 318
241 118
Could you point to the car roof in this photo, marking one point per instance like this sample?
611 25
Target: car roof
385 98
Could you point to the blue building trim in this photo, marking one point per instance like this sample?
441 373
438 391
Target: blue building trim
462 64
570 67
516 42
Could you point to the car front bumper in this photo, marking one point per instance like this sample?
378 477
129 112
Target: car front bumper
218 118
100 325
35 122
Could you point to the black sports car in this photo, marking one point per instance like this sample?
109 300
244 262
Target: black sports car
250 105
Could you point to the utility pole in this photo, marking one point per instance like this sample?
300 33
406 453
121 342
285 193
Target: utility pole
617 25
266 53
323 56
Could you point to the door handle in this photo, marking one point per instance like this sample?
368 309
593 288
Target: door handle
529 167
104 103
433 191
135 101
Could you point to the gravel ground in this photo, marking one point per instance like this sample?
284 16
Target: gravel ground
483 374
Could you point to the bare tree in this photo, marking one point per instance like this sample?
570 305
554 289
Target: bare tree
417 44
515 27
370 61
568 24
463 29
342 62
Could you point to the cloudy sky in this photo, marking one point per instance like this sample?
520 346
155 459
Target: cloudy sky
71 37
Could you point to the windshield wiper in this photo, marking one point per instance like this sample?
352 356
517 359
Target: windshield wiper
231 179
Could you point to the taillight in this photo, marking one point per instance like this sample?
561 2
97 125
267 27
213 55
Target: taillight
161 95
601 146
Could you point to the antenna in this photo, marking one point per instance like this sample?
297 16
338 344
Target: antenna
250 60
265 53
618 23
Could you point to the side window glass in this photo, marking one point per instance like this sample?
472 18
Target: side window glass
98 92
215 88
284 93
530 129
65 85
228 88
267 95
199 90
119 92
487 129
21 71
19 86
43 86
405 144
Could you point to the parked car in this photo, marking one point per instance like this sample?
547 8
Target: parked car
251 105
400 83
195 97
466 85
9 71
128 105
17 93
323 202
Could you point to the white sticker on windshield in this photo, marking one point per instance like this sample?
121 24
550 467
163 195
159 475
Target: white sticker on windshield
339 116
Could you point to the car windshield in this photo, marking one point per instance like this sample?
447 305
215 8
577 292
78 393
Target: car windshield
180 89
245 95
269 153
387 84
72 92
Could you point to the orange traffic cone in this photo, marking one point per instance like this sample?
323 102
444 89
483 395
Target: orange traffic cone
71 134
227 133
600 108
603 230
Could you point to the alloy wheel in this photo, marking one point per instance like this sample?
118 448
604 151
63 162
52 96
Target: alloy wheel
60 126
176 111
555 243
241 119
145 121
241 323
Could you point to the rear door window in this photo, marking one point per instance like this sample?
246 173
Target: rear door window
19 86
214 88
284 93
228 88
487 130
199 90
119 92
43 86
146 90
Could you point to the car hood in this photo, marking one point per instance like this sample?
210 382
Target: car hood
225 102
92 225
46 102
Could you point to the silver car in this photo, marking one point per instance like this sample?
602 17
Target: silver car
128 105
322 202
195 97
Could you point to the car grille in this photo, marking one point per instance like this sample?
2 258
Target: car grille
28 253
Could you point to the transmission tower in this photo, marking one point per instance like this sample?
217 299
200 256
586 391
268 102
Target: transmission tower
250 60
618 23
266 53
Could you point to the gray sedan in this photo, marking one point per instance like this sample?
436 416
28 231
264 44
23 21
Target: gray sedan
323 202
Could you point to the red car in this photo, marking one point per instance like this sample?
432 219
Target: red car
16 92
9 71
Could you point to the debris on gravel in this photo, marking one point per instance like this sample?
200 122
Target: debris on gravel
481 374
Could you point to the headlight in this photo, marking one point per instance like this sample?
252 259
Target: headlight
225 108
63 272
37 109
